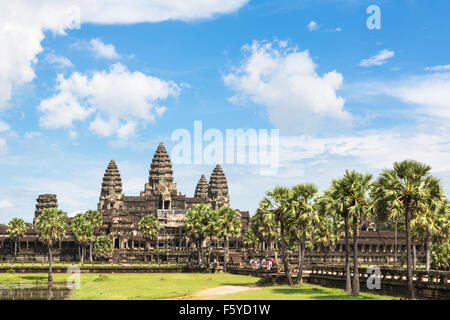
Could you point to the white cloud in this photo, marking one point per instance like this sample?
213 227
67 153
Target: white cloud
377 60
4 126
335 30
118 98
431 92
438 68
59 61
3 146
285 81
312 26
24 22
5 204
102 50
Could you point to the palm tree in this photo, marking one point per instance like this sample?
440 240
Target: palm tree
149 228
95 219
51 225
357 188
404 191
250 239
82 231
327 234
103 247
333 203
196 225
16 229
276 207
212 230
229 225
303 218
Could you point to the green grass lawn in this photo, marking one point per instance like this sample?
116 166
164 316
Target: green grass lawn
301 292
175 285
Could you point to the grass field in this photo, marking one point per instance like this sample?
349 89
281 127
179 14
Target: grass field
181 285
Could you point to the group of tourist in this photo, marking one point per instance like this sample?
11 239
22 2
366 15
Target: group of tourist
265 263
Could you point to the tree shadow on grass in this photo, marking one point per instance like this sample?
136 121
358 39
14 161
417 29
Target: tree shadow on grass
320 294
42 278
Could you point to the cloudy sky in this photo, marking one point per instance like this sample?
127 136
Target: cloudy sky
82 84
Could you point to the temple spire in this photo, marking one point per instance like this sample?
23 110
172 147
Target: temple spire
218 188
111 187
161 168
201 190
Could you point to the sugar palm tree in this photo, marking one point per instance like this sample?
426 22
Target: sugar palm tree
196 225
250 239
95 219
276 206
229 224
357 187
212 229
334 203
302 218
51 226
326 234
149 228
16 229
404 191
103 247
82 231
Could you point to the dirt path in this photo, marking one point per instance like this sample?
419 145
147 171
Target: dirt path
217 291
224 290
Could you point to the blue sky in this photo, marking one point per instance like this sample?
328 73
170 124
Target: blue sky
343 96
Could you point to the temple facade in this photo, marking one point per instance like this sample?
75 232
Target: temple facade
161 198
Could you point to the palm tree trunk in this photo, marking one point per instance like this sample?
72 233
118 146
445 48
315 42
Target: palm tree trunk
428 251
414 256
296 281
355 283
283 253
199 252
15 250
50 260
225 252
79 251
90 251
210 249
348 286
395 244
409 274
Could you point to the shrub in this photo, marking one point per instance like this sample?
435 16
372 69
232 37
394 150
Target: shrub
440 256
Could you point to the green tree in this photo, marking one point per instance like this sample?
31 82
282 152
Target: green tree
212 229
95 219
149 228
196 225
103 247
404 191
347 199
250 239
302 219
16 229
51 226
229 225
82 231
276 207
327 234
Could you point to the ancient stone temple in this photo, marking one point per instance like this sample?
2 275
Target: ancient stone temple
160 197
44 201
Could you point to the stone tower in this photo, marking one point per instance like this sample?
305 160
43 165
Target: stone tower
160 180
111 196
201 190
44 201
218 189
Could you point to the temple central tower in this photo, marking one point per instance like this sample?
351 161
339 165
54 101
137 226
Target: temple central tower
160 180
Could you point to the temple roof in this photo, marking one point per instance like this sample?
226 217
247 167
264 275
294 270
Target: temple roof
161 167
218 182
112 183
201 190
